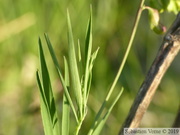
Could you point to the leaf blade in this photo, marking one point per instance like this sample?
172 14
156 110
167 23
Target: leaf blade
53 56
73 70
46 91
88 48
66 106
103 120
44 109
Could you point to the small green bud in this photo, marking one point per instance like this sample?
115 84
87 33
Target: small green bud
154 21
159 29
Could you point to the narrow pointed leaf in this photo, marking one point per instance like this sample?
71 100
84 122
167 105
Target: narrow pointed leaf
102 121
45 76
93 57
79 51
97 118
44 109
75 84
89 86
88 48
48 94
88 42
60 75
66 106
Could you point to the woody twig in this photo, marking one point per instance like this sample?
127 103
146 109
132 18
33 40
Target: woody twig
166 54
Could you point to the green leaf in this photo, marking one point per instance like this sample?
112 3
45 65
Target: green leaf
49 112
66 107
88 41
166 5
88 48
92 59
44 109
101 122
66 75
75 84
79 51
98 115
174 6
60 75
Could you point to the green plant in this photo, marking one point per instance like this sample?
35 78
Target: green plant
71 82
78 84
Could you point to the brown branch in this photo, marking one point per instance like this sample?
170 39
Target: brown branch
166 54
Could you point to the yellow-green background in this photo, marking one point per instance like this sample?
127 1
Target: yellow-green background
22 22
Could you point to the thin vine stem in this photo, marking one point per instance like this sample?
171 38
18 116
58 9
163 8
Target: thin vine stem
138 15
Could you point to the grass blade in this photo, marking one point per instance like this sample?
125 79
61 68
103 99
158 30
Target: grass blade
47 94
66 75
88 42
44 109
73 69
66 107
60 75
103 120
92 59
88 48
79 51
98 115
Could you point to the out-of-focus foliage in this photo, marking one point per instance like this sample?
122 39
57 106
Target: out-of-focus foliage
159 6
23 21
166 5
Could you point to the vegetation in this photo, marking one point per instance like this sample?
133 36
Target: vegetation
112 23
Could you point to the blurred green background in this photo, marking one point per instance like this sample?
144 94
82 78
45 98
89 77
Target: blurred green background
22 22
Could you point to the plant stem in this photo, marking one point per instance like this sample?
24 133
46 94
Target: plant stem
80 124
138 15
